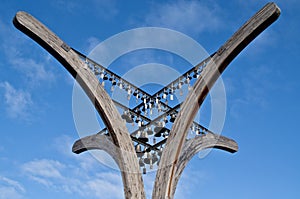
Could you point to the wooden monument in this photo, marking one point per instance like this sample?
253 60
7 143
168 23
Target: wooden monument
125 148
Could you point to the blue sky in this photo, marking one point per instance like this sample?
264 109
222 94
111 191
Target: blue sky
262 93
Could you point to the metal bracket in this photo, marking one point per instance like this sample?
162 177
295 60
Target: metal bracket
221 50
66 47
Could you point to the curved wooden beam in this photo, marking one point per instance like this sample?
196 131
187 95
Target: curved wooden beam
193 146
99 142
165 177
131 176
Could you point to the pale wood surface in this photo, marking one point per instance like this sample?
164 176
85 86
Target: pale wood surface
193 146
166 174
99 142
131 176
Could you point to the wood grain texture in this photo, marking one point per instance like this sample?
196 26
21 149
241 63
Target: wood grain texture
165 184
97 142
131 176
193 146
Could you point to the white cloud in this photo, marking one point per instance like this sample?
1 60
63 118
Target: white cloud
186 16
106 185
25 58
43 168
28 65
86 177
79 175
45 182
12 183
10 189
18 102
60 177
63 145
34 73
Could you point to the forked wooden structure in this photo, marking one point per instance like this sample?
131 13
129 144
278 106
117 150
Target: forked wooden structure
119 144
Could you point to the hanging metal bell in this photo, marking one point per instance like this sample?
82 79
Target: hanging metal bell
141 162
157 99
138 111
148 159
102 74
164 96
159 107
127 117
159 129
113 82
138 148
171 96
129 91
138 121
187 79
120 84
135 93
173 117
149 131
105 77
157 134
165 134
144 137
159 153
154 158
165 120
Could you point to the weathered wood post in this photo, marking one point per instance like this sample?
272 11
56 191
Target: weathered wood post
172 161
178 150
125 155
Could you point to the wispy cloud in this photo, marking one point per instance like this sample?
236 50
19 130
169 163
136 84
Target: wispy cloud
34 73
186 16
25 58
58 176
63 144
18 102
31 68
44 168
81 175
95 180
69 176
10 188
